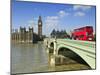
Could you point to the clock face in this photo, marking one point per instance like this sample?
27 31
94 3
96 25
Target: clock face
39 23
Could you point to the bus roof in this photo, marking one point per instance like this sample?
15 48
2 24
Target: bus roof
83 28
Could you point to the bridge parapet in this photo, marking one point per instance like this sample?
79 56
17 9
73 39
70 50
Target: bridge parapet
79 42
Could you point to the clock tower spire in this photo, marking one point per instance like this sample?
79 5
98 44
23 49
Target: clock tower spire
40 26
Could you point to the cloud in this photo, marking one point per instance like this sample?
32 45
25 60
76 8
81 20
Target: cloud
51 17
51 22
63 13
79 14
30 21
81 7
33 23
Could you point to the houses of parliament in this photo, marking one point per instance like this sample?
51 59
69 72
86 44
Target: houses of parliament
28 36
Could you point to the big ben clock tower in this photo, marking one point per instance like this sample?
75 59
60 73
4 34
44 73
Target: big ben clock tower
40 26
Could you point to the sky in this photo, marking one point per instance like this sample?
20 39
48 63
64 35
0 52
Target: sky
54 16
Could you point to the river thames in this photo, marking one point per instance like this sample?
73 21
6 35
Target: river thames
32 58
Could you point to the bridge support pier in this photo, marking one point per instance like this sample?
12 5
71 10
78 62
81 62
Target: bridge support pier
57 60
52 60
55 47
60 60
53 56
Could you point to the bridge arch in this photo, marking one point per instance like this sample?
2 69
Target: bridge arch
87 53
67 52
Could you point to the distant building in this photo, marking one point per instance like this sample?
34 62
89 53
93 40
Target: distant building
59 34
29 35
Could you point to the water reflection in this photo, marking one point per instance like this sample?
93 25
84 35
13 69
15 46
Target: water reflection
28 57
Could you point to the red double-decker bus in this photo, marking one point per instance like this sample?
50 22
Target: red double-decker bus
83 33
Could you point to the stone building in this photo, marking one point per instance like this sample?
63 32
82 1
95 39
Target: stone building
15 35
22 34
59 34
28 35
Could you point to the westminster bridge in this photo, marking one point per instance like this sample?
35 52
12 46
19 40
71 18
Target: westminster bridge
82 51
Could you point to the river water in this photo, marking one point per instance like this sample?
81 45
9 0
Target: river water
30 58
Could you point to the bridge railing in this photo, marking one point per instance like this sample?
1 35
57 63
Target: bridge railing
79 42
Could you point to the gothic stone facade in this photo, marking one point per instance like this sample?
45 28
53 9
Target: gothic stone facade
23 35
28 36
